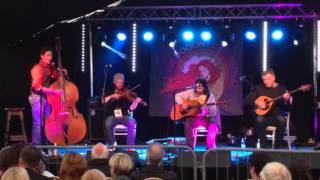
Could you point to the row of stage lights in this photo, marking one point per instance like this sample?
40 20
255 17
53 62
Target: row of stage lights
205 35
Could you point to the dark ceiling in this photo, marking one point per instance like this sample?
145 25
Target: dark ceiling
20 19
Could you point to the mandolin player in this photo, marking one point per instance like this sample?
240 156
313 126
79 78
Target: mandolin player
206 115
274 113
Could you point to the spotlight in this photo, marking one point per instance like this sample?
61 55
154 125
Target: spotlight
277 35
188 35
172 44
206 36
250 35
224 43
148 36
121 36
295 42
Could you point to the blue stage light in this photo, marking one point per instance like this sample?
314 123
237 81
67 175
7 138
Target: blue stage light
148 36
277 35
188 35
121 36
206 36
250 35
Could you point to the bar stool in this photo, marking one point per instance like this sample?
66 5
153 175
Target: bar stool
16 111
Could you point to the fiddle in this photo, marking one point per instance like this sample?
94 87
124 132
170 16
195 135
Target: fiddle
129 95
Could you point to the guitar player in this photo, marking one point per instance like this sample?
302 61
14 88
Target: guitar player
275 116
206 115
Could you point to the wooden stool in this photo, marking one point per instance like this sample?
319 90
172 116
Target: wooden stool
273 135
18 137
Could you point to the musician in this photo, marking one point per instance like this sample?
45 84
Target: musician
272 89
43 73
206 116
120 106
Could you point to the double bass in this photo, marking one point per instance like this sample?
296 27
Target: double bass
65 125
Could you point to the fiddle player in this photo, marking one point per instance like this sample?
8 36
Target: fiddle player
42 74
275 116
206 116
119 106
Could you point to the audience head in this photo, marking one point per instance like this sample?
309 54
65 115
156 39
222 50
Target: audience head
9 156
155 154
93 174
275 171
300 169
14 173
99 151
120 164
30 157
73 166
257 161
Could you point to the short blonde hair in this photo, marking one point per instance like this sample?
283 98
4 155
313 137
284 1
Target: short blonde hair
99 151
118 76
14 173
275 171
93 174
120 164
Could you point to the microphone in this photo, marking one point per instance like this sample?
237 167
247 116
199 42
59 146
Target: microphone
108 66
243 77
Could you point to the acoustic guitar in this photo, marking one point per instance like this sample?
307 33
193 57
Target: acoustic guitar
270 101
177 113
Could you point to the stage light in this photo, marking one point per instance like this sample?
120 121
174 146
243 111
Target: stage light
148 36
318 45
224 43
121 36
277 35
206 36
134 47
188 35
172 44
265 46
83 45
295 42
250 35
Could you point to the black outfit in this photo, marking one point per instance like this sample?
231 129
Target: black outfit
100 164
153 171
35 176
273 117
124 104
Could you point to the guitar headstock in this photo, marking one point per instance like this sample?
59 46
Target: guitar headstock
305 87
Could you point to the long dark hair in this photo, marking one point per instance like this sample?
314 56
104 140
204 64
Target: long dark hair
204 83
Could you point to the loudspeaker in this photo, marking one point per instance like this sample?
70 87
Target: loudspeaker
96 123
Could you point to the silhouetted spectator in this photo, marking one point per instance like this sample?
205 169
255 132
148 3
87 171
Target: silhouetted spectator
72 167
256 162
301 170
99 159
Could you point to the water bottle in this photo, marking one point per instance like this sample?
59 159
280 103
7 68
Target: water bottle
258 144
243 143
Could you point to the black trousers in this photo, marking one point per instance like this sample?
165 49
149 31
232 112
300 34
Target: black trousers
275 120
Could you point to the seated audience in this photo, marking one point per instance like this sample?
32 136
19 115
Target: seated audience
120 166
30 158
275 171
300 169
93 174
9 157
153 169
72 167
99 159
15 173
256 162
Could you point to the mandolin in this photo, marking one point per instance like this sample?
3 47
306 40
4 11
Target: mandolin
270 101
